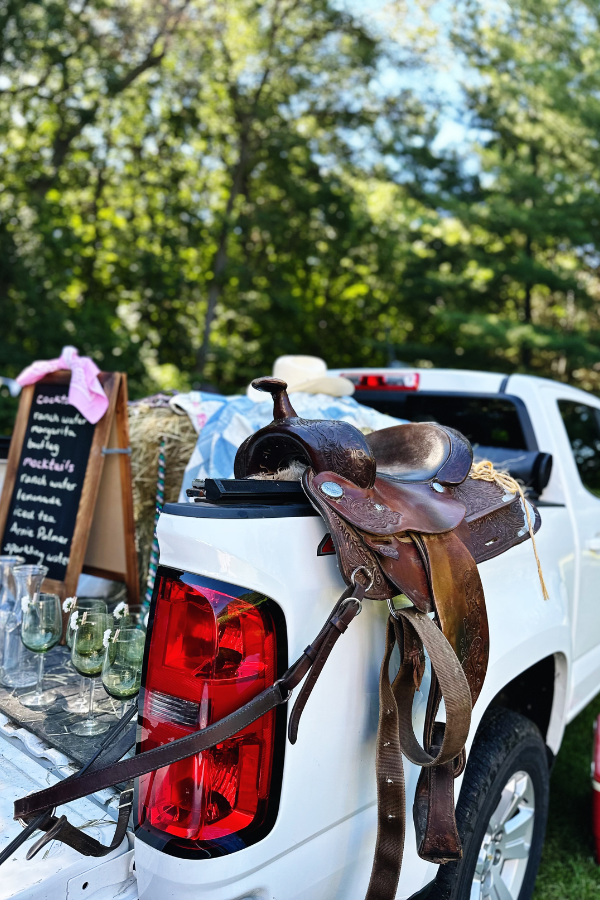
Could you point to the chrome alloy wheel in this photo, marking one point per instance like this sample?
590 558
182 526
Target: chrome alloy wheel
504 853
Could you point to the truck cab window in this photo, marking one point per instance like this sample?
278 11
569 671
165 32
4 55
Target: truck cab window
582 424
485 421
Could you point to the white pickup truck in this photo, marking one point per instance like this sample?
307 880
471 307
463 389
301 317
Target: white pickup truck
243 587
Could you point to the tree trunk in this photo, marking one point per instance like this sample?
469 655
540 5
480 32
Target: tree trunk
221 258
220 263
526 351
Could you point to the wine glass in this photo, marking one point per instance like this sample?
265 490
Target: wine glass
87 655
75 608
122 669
41 629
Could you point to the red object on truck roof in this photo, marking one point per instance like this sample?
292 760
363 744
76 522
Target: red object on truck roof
405 381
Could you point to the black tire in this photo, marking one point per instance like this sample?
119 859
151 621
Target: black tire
506 743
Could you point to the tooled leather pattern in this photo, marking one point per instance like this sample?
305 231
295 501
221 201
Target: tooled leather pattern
340 446
371 514
497 532
351 551
477 495
474 646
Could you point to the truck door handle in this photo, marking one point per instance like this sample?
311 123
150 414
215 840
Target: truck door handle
593 544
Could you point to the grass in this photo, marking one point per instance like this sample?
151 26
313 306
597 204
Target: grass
568 870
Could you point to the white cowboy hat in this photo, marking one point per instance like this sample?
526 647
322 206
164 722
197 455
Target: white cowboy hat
307 374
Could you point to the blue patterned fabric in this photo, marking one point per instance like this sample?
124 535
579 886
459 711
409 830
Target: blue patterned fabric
230 420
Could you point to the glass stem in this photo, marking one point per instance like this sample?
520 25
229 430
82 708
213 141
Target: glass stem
40 674
90 715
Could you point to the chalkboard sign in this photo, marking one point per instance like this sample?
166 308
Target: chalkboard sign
67 501
45 501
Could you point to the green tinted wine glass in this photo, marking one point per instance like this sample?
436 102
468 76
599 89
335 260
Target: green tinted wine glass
79 702
92 604
122 669
87 655
41 629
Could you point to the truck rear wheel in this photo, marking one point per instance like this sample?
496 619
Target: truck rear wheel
501 813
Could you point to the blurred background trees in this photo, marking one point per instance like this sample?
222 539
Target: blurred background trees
190 188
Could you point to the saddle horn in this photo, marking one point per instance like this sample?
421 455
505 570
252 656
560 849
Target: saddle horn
282 408
323 444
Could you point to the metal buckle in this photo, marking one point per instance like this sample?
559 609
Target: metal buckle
24 824
289 691
369 575
349 600
392 608
126 802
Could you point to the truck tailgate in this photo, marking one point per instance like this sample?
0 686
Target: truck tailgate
27 764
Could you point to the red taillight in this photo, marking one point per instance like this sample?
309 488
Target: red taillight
210 653
406 381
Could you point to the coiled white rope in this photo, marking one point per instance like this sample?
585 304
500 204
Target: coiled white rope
485 471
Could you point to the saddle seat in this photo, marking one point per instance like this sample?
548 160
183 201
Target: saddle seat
421 452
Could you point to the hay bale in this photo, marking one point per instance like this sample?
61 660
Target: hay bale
148 426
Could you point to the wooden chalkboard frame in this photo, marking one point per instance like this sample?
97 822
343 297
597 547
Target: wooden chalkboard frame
115 386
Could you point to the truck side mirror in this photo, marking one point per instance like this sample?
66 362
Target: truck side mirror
540 472
531 468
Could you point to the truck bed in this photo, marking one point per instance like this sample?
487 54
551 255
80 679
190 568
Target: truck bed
36 751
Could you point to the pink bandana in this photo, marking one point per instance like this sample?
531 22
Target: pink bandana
85 391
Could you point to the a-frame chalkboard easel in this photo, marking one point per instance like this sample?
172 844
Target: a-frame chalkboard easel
102 539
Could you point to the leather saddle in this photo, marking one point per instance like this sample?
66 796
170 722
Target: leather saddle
406 519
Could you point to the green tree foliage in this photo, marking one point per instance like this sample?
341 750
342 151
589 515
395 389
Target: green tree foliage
179 182
190 188
517 282
64 69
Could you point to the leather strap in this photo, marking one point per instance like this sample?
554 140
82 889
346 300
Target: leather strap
347 610
60 829
298 670
420 631
459 602
68 790
391 802
128 769
395 734
119 739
